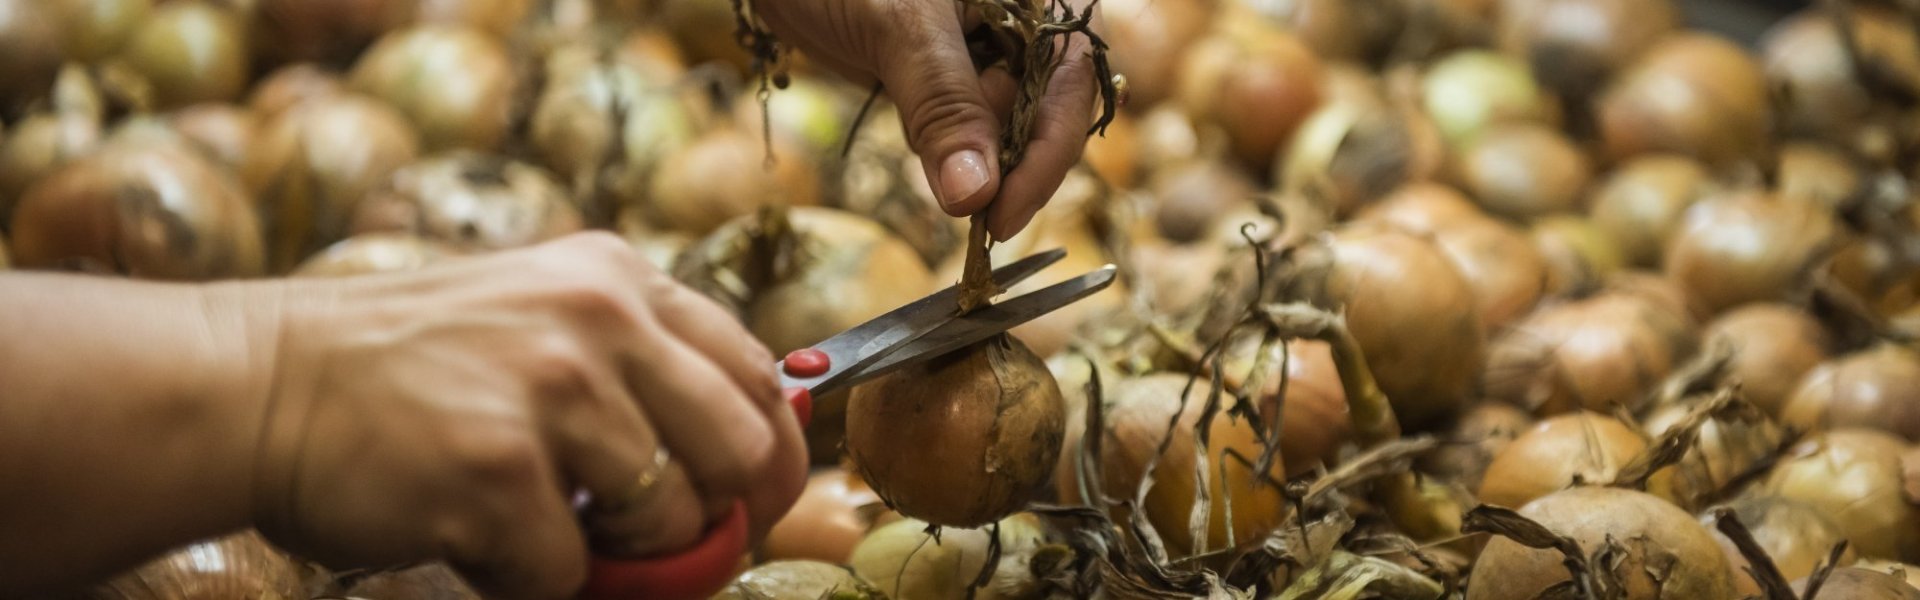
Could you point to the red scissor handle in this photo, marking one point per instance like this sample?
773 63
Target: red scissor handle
698 572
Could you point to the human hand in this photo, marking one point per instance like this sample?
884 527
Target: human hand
450 413
953 114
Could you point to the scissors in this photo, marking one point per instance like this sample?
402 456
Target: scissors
920 330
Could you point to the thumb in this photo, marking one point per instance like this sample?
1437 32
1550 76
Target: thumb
930 77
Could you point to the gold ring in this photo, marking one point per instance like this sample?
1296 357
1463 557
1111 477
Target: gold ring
642 483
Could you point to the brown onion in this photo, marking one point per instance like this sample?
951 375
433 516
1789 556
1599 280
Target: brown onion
152 211
497 17
1138 411
224 131
1862 584
95 29
1902 571
1822 93
1664 552
1354 150
723 175
810 115
1640 203
43 143
471 201
1191 197
705 31
1256 82
427 582
800 579
1468 447
1874 388
455 83
1723 450
1773 346
1575 46
30 43
1795 536
1600 353
1692 93
1500 263
1405 301
291 86
1358 31
1314 425
835 511
1579 254
1579 448
1746 247
1423 207
1115 154
374 253
327 31
313 165
241 565
1524 171
903 560
605 123
1855 477
990 416
1149 38
190 52
1817 174
1469 90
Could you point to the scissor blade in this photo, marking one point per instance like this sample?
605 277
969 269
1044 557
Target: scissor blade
986 322
856 348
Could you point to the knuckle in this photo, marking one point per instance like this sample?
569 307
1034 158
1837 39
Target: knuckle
602 302
948 109
560 370
750 446
500 456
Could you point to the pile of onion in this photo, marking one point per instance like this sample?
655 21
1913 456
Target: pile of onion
1819 174
95 29
724 174
1597 354
1578 448
1855 477
1747 247
1640 202
1575 46
1823 94
1256 82
1692 93
904 560
471 201
190 52
1191 197
154 211
313 164
1405 302
1664 552
1522 171
374 253
455 83
1773 346
1873 388
1795 536
1357 146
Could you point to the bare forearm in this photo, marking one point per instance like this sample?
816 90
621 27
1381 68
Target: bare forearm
127 417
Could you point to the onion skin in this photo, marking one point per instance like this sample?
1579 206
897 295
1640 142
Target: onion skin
1404 300
472 201
190 52
1583 447
1575 46
1191 197
1797 538
429 582
1256 82
1862 584
1874 388
1645 526
1353 149
1723 116
989 415
1149 43
1640 203
149 211
40 145
1723 450
225 132
1469 90
1507 273
1524 171
1423 207
240 565
455 83
1480 434
904 561
1854 477
724 175
1746 247
327 31
1774 345
1580 255
575 128
834 513
374 253
30 43
1824 97
1595 354
799 579
292 86
312 166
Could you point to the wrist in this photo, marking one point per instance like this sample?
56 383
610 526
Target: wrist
234 380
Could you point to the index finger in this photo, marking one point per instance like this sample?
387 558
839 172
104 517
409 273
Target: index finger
1060 136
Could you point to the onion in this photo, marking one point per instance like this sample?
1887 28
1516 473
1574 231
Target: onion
1664 552
1403 299
30 43
291 86
990 416
1169 136
1358 31
312 166
1723 450
605 125
1176 277
1354 149
1575 46
1149 39
95 29
1640 203
1137 413
428 582
1524 171
1469 90
1256 82
1423 208
1823 96
455 83
1746 247
1874 388
706 31
1854 476
374 253
835 511
224 132
1773 346
1471 443
1312 418
327 31
799 579
41 144
1191 197
903 560
471 201
1691 93
811 115
1600 353
1579 254
1817 174
1862 584
1578 448
151 211
1901 571
498 17
1115 154
190 52
1797 538
240 565
1500 263
723 175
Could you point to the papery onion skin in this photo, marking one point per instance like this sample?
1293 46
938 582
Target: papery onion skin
1723 450
811 579
1191 197
1646 527
471 201
456 84
1599 353
1415 317
1150 42
1795 536
1580 255
1855 477
1580 448
1722 117
1640 203
313 165
190 52
1746 247
1823 95
1817 174
1874 388
38 146
1861 584
1773 345
1523 171
240 565
904 561
428 582
1423 207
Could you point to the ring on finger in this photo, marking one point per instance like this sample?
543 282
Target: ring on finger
642 483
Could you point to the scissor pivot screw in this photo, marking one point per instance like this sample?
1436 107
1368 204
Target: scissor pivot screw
807 362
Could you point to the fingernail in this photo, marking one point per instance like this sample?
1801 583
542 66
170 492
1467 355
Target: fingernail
962 174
